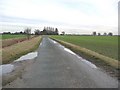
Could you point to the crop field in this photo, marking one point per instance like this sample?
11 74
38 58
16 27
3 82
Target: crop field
15 51
105 45
9 36
9 39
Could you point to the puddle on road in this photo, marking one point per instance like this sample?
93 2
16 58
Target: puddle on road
27 56
57 43
87 62
83 60
53 41
68 50
40 43
7 68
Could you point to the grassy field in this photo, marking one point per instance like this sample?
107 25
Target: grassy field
9 36
15 51
105 45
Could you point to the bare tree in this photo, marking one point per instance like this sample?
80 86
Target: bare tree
37 32
56 31
28 32
94 33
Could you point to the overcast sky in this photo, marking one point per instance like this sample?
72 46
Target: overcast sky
73 16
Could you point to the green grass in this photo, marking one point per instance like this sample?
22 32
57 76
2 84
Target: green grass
105 45
9 36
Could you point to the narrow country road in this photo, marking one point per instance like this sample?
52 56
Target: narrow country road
57 67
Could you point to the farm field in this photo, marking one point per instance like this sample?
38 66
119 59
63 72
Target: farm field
15 51
14 46
9 36
9 39
105 45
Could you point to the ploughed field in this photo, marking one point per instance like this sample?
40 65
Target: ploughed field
105 45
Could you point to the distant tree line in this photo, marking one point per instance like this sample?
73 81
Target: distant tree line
104 34
16 33
27 32
52 31
47 31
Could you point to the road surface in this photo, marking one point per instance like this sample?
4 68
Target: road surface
57 67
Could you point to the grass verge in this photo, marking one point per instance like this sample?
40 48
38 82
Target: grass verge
15 51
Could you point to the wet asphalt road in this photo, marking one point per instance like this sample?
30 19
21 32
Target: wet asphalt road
56 68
